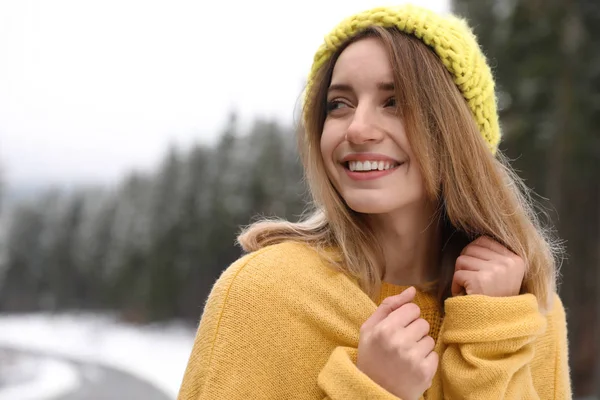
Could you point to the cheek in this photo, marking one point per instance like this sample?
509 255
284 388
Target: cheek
395 126
416 177
323 146
328 145
416 181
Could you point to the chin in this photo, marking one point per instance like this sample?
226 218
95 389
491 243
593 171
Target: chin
369 207
381 202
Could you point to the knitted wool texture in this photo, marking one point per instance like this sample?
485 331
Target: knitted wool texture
280 323
451 39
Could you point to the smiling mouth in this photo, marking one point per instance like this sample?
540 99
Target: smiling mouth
368 166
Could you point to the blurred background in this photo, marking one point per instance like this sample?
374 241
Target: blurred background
136 137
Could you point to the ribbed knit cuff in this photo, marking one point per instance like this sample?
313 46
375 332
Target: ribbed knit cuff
342 380
478 318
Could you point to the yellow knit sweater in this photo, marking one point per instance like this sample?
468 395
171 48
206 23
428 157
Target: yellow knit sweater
279 324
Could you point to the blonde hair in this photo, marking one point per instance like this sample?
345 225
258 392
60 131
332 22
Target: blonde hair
477 193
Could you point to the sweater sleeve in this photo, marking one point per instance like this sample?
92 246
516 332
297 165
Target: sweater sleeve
261 338
236 353
487 345
562 379
340 379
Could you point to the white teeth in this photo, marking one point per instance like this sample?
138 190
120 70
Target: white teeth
371 165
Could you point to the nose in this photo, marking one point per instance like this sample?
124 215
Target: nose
363 127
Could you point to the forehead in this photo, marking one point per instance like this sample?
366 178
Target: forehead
364 58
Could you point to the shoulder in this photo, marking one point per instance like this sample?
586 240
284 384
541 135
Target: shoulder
556 319
557 309
275 272
273 288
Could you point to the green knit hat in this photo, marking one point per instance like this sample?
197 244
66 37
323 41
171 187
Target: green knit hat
451 39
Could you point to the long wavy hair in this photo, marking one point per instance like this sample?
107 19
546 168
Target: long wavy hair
477 192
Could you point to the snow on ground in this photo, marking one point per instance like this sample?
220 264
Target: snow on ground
157 354
34 378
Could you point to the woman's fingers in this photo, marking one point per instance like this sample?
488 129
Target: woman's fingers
387 306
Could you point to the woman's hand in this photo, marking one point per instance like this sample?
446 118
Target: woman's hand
395 350
487 267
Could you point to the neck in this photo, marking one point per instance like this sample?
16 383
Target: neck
410 240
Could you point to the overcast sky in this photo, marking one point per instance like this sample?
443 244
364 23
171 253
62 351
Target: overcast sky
91 89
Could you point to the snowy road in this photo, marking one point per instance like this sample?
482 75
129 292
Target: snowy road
153 356
100 383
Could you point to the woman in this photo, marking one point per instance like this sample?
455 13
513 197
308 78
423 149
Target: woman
423 271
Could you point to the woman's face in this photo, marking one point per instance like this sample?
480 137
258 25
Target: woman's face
364 144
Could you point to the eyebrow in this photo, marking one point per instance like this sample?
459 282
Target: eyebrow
343 87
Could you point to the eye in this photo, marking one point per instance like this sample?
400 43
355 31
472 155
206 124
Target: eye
391 102
335 105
